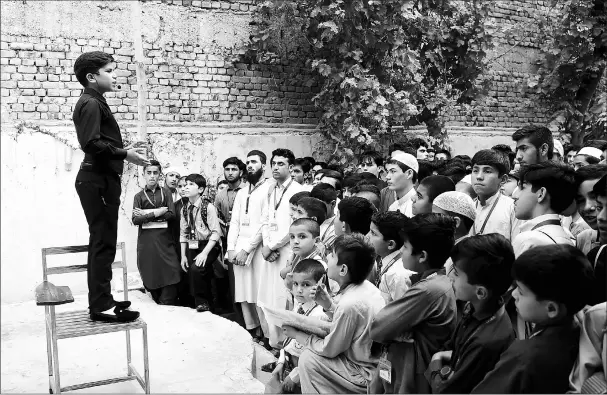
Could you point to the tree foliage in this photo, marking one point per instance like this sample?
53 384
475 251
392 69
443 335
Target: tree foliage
571 78
381 65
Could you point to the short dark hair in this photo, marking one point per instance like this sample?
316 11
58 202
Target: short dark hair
305 164
435 185
557 178
285 153
403 167
496 159
324 192
197 179
592 160
298 196
570 147
397 147
557 272
311 226
487 260
222 182
506 150
323 165
351 181
262 157
600 188
537 135
311 160
455 170
444 151
333 174
310 266
90 62
314 207
153 162
357 254
417 142
365 186
357 213
432 233
375 157
426 169
389 224
590 172
236 162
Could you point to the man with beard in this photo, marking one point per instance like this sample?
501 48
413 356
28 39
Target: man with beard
233 172
275 231
244 239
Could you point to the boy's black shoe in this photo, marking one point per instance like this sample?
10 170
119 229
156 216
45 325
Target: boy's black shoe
123 304
204 306
268 367
120 315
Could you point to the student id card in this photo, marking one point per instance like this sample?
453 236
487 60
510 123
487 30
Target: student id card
246 220
155 225
385 368
273 227
193 244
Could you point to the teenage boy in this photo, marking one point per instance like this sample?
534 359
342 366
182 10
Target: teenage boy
420 146
372 162
413 328
171 178
401 175
586 202
368 191
293 201
354 216
301 173
588 155
156 256
429 188
546 189
309 207
392 279
342 362
551 287
332 177
98 181
443 154
244 238
328 195
598 255
534 144
480 276
200 242
461 207
275 233
494 211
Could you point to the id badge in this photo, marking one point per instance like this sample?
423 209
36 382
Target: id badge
385 368
245 220
273 227
155 225
193 244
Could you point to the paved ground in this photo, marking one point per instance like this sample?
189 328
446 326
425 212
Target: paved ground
188 351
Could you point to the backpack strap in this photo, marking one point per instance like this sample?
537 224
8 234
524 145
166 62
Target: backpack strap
548 236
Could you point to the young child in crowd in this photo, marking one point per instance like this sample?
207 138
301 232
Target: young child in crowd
429 188
301 172
552 283
304 236
354 216
392 279
545 190
586 201
328 195
221 185
200 241
480 276
307 274
511 183
401 174
426 313
494 211
309 207
293 203
342 362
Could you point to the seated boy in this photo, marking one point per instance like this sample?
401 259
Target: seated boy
293 203
342 362
354 216
392 278
480 276
309 207
551 288
545 190
429 188
200 241
306 275
426 313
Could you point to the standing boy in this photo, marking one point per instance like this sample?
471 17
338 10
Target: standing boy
200 242
425 314
301 173
156 256
586 201
429 188
309 207
401 175
98 181
552 283
480 276
354 216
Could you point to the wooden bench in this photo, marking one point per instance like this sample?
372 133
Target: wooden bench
78 323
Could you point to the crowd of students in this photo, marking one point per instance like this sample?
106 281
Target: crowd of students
435 273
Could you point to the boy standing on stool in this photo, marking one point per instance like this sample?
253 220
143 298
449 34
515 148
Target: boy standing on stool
98 181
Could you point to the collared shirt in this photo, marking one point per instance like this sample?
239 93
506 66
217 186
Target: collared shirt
203 232
327 234
224 201
502 219
574 224
404 204
477 343
386 198
98 133
276 213
140 201
587 240
540 236
395 279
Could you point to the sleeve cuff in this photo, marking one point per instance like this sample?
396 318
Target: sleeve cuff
121 153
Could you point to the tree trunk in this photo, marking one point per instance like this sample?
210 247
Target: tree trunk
584 97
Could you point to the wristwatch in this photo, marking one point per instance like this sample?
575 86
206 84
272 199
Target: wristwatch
445 372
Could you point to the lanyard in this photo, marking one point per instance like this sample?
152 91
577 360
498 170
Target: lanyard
487 218
250 192
191 221
276 205
385 269
474 333
547 222
161 197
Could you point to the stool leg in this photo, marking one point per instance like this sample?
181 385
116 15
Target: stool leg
146 366
49 348
128 352
55 351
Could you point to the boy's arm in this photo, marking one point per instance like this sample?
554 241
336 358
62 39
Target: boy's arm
344 326
398 284
234 223
401 315
265 221
170 214
140 219
510 375
183 236
89 133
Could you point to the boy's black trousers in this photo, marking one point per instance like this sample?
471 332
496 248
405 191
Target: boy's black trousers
201 277
99 195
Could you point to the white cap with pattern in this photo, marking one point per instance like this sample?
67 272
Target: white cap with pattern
406 159
456 202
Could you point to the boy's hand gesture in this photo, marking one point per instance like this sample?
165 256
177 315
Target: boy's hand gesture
184 264
159 212
201 259
137 156
241 258
320 295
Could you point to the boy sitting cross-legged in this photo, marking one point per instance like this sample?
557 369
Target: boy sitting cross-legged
342 362
426 313
480 276
552 283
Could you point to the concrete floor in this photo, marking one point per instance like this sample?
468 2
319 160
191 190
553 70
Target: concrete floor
188 352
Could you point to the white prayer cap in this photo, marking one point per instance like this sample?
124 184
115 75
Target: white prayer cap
591 151
558 147
456 202
176 169
406 159
467 179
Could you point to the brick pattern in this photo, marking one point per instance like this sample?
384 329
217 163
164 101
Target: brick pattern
226 5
